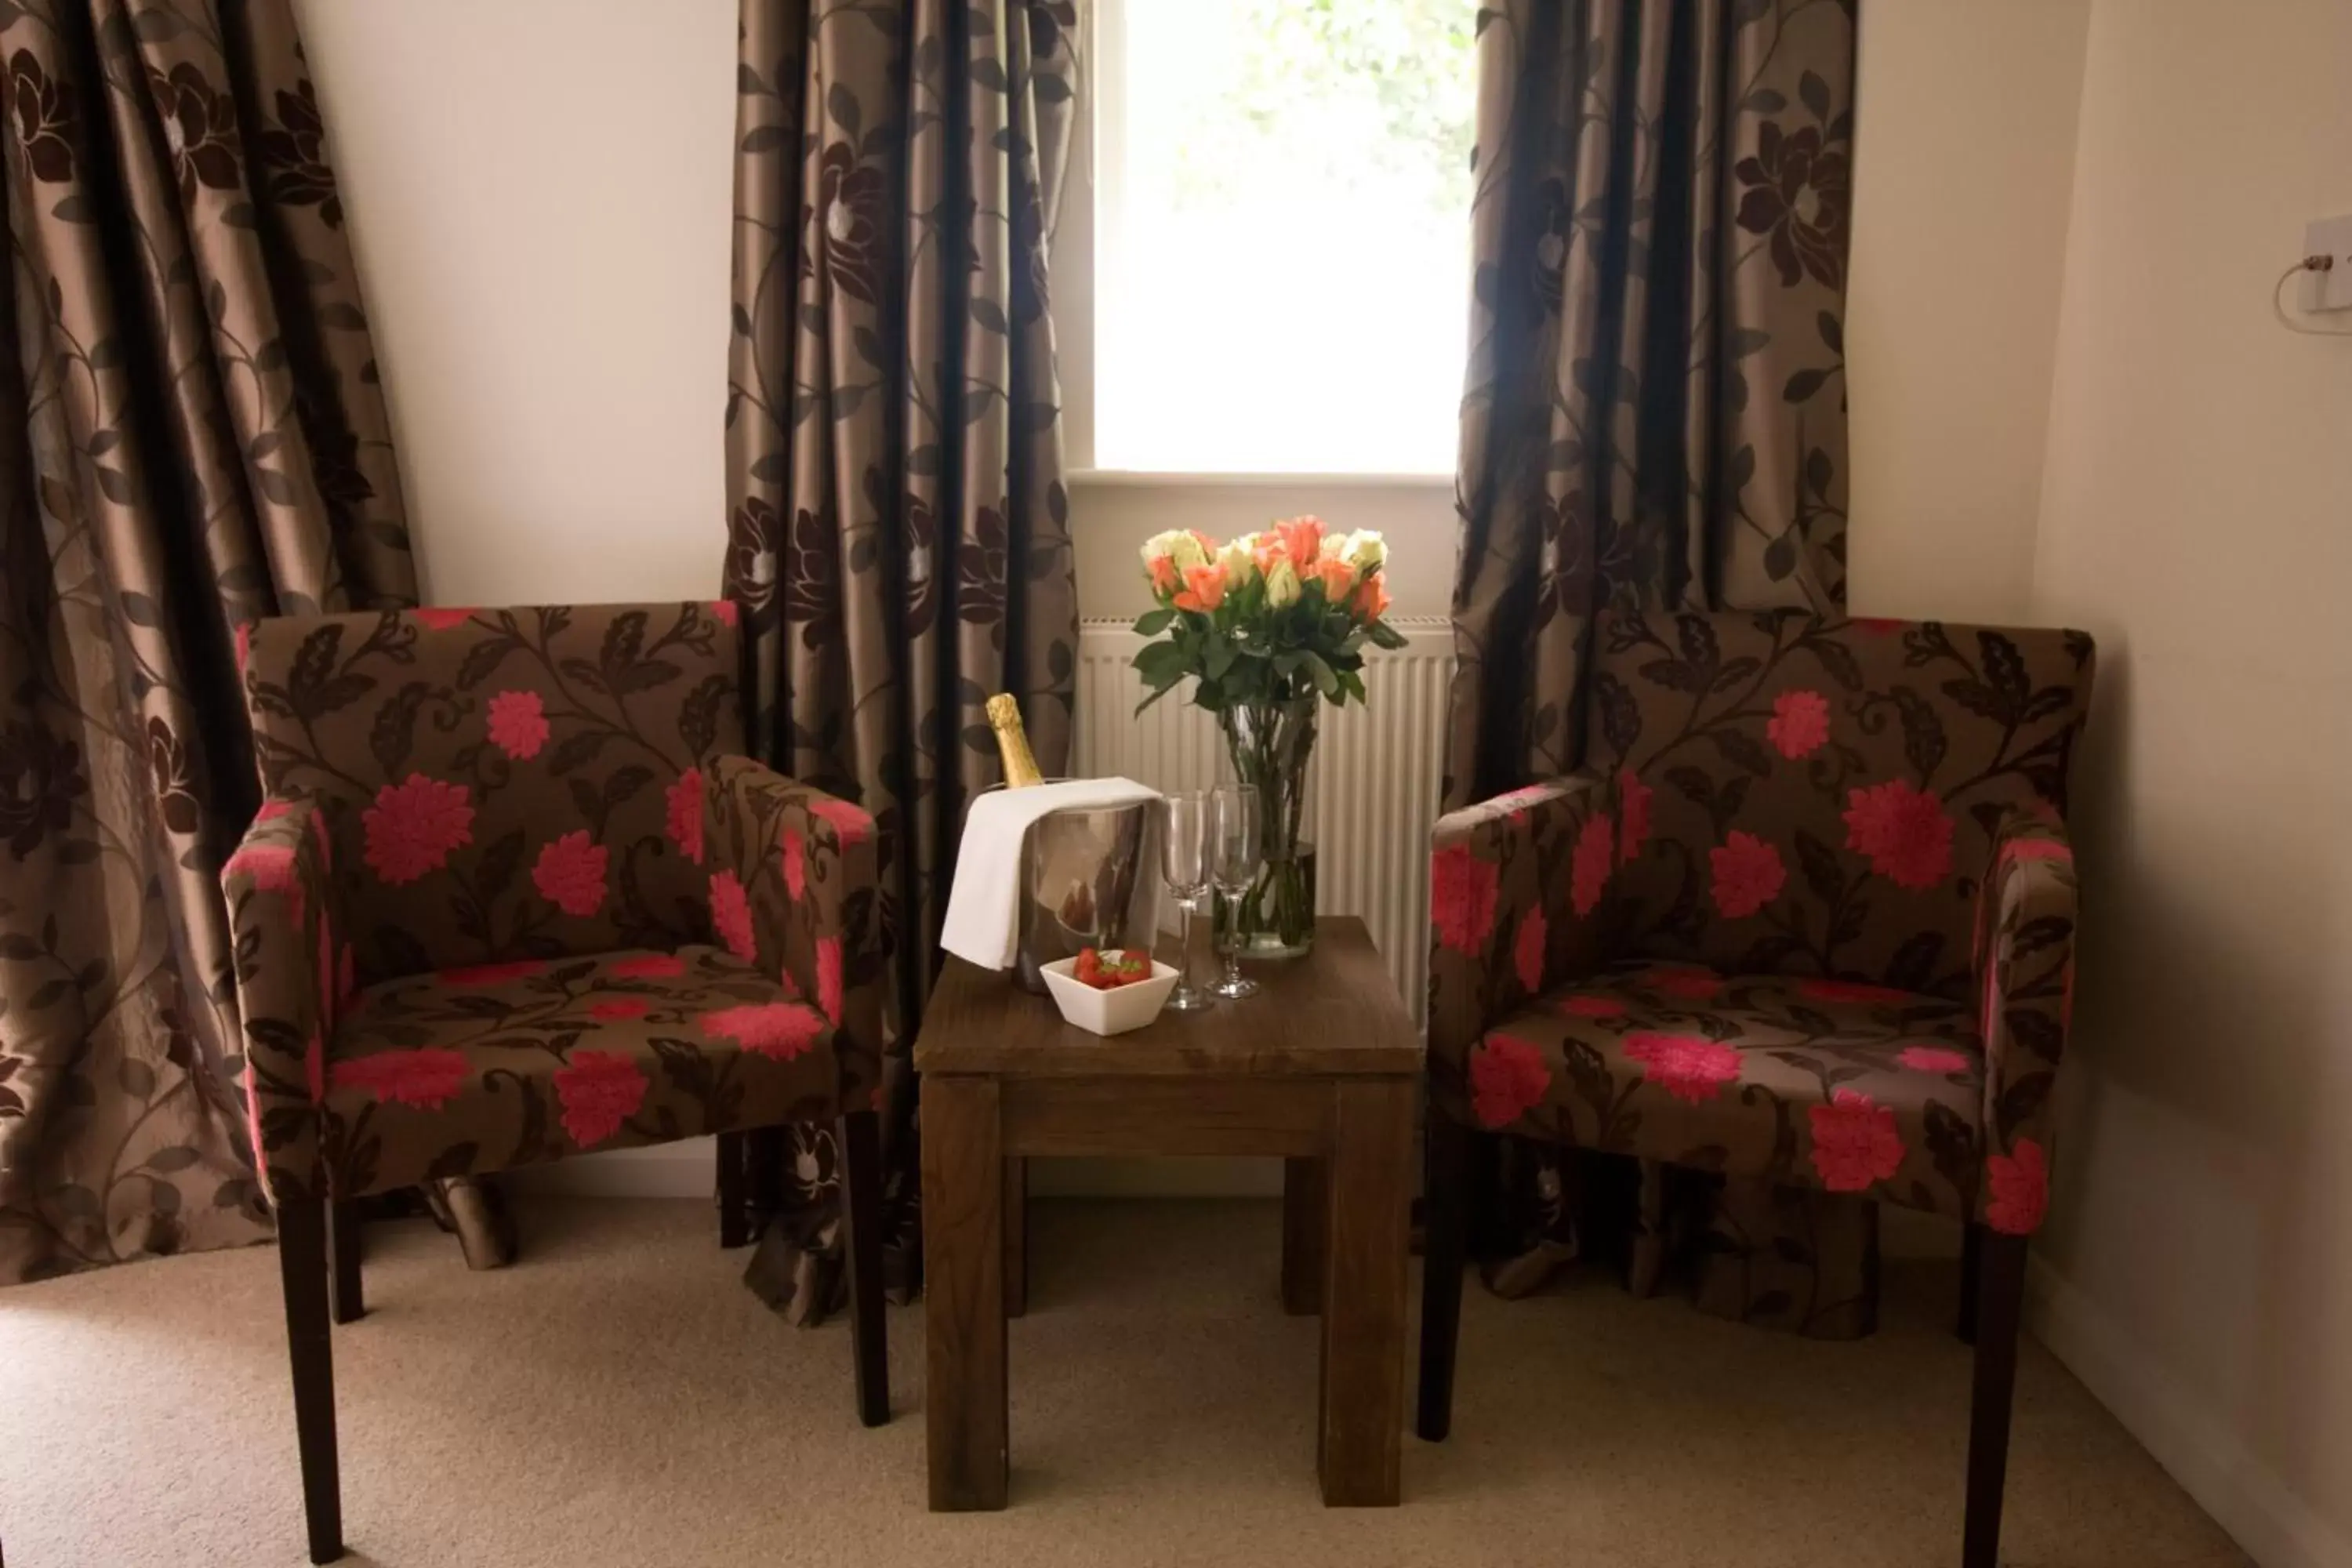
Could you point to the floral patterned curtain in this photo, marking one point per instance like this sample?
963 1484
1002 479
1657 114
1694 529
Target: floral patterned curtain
1656 403
898 536
191 438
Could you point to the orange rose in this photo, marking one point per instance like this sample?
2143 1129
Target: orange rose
1204 589
1337 577
1164 580
1302 541
1370 600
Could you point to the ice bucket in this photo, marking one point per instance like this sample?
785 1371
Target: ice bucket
1081 872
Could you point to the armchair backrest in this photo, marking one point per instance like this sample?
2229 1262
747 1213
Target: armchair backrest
1810 796
502 785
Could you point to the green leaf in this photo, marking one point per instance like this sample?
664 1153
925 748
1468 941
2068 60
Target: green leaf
1152 623
1326 678
1386 635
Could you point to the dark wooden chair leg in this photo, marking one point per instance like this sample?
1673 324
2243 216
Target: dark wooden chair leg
346 1303
1445 1233
861 1244
302 1269
2000 1302
735 1195
1972 1281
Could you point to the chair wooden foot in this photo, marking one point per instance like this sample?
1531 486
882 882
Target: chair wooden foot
302 1269
1017 1237
1971 1279
737 1198
860 1135
346 1302
1445 1233
2000 1304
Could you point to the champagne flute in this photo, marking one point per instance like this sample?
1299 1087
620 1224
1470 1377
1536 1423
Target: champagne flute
1236 851
1184 861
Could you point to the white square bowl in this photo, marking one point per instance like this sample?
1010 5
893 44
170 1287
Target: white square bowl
1113 1012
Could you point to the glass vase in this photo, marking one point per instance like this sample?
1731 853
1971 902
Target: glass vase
1268 745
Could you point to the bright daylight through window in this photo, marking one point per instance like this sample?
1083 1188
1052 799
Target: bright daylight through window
1283 226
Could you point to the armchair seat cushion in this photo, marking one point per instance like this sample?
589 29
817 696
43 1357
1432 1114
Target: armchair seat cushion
1822 1083
519 1063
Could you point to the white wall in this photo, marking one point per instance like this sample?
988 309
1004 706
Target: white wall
2195 518
1959 241
539 195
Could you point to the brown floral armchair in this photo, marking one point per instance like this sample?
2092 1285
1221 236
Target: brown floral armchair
508 899
1808 916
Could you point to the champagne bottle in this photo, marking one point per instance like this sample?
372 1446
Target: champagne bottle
1013 742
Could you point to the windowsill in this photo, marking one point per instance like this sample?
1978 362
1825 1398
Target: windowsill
1206 480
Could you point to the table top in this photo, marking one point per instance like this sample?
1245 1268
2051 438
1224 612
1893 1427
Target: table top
1334 1013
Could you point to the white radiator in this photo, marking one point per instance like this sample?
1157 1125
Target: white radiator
1373 783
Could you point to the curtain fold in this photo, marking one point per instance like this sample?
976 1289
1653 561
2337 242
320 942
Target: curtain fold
192 437
1653 415
898 534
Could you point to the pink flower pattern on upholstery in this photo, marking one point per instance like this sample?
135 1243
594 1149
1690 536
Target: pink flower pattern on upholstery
1934 1059
615 1008
271 867
1691 1068
1684 982
474 975
2019 850
427 1078
725 610
1507 1078
828 976
1854 1142
445 620
1749 874
730 915
795 856
777 1030
314 1067
271 810
414 825
850 823
570 874
1527 951
1462 890
1634 815
683 803
2021 1189
648 966
600 1090
1588 870
519 724
1579 1005
1799 724
1904 830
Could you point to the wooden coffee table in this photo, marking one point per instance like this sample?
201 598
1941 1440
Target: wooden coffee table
1321 1066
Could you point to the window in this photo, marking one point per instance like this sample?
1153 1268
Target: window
1282 217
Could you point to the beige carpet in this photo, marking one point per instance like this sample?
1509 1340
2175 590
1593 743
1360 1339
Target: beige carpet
617 1398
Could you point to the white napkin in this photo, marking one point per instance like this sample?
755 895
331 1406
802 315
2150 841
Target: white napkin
982 922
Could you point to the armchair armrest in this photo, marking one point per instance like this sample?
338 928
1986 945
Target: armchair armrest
1514 888
2026 967
281 926
805 904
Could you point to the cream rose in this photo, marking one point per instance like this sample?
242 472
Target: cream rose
1282 585
1367 551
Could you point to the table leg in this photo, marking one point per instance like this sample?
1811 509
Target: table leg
963 1292
1370 1182
1017 1237
1302 1202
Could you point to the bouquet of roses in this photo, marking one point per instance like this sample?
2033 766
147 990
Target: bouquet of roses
1270 617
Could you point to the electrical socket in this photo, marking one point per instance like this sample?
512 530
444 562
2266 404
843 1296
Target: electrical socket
2331 289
